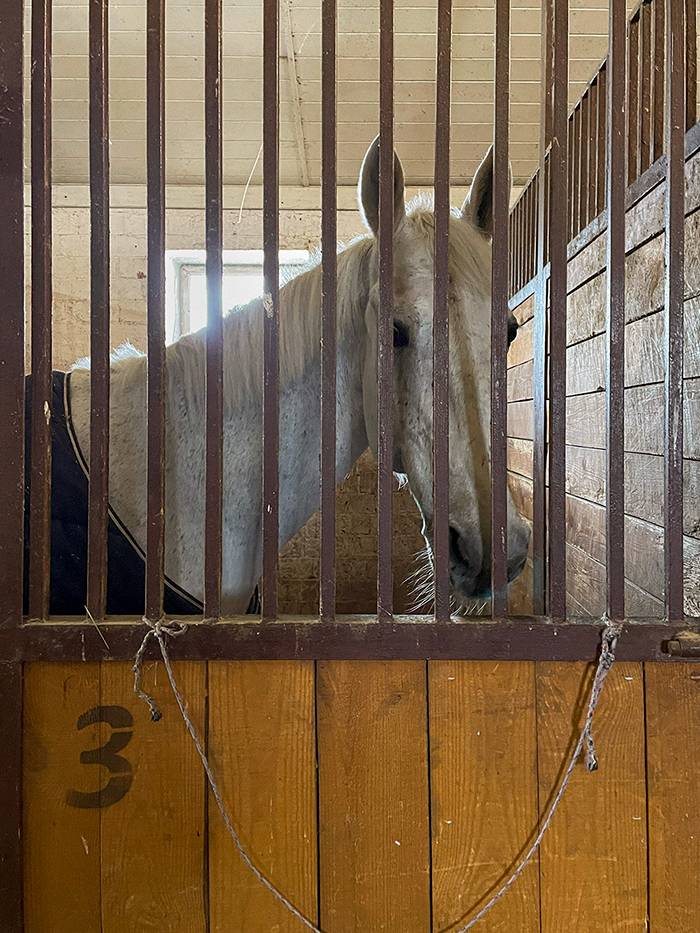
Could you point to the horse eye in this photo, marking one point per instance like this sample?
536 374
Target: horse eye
512 328
400 334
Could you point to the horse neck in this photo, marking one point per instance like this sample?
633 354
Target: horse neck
300 391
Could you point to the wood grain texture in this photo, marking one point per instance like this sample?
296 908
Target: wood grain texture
643 419
673 737
61 842
521 349
262 749
483 779
585 478
152 841
593 859
586 583
373 797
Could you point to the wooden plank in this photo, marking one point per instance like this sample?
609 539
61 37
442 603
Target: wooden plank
520 420
673 736
61 798
586 589
525 310
483 781
644 272
262 747
644 549
153 839
593 859
373 796
520 456
643 419
521 349
644 483
520 591
644 360
520 382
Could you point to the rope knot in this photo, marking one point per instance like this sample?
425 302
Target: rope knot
158 629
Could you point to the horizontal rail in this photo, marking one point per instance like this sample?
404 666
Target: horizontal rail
654 176
532 638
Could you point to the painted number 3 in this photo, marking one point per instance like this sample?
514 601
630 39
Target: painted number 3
107 755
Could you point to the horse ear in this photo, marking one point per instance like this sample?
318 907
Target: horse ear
368 189
478 206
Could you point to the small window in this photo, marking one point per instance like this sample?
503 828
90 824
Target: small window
243 280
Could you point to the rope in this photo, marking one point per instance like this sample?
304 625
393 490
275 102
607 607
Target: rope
607 656
161 630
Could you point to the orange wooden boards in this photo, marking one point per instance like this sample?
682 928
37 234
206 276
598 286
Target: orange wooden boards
483 773
593 860
114 812
373 797
429 786
673 744
61 840
262 748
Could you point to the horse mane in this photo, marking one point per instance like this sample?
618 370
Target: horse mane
299 329
300 314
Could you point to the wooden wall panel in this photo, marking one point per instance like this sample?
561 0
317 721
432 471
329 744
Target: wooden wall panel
643 419
262 747
593 859
673 738
61 840
153 840
373 796
483 778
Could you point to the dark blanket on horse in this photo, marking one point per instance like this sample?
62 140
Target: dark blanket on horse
69 519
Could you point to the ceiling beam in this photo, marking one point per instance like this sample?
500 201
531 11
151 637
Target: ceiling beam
289 55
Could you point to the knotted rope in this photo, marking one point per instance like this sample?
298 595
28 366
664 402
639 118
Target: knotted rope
161 630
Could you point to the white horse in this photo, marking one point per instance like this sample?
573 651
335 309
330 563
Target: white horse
300 318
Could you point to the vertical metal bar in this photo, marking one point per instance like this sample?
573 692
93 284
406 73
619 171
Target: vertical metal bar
385 365
691 64
557 318
633 102
12 460
539 370
155 155
584 159
576 159
644 86
532 253
593 153
570 174
214 270
675 256
271 303
40 477
99 310
441 325
615 376
547 54
659 78
522 236
499 315
329 239
511 253
547 199
602 143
